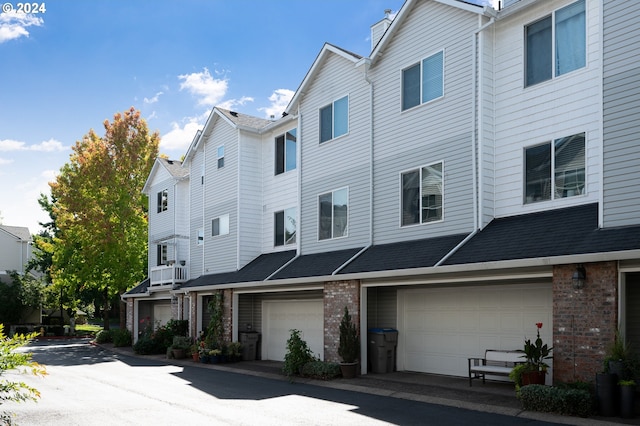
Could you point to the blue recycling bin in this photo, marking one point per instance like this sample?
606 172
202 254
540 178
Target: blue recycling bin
382 349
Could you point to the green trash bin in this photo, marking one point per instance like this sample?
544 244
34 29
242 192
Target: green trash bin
382 349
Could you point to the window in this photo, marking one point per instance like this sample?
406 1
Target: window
564 159
556 44
284 227
161 254
423 82
422 195
220 156
286 152
200 236
220 225
334 119
334 209
163 200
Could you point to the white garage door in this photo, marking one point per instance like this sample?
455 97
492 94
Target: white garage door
279 317
440 328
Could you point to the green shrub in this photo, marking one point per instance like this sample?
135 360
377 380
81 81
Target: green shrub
321 370
104 336
561 400
178 327
298 354
121 337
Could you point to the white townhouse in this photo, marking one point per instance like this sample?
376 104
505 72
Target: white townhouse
472 176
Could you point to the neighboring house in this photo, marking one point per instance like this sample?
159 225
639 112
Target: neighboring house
471 177
15 250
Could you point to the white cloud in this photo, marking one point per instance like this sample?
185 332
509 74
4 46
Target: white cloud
232 103
14 25
279 99
202 85
154 99
179 137
4 161
45 146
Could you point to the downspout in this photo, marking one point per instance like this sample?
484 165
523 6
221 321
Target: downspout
475 136
238 203
204 190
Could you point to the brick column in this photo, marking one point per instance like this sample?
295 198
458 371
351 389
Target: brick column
130 318
337 295
227 321
584 321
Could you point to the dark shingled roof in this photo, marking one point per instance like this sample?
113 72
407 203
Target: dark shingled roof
257 270
140 288
314 265
404 255
567 231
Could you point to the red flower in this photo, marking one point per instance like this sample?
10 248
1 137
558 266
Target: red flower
539 325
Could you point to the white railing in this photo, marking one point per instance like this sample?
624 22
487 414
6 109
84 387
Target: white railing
168 274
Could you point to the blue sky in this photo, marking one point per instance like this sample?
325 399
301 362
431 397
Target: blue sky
67 69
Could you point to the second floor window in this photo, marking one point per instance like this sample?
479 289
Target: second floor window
200 236
220 225
286 152
555 169
161 254
284 227
422 195
334 214
423 82
556 44
220 156
334 119
163 200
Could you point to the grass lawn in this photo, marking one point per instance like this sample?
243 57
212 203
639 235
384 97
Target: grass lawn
88 329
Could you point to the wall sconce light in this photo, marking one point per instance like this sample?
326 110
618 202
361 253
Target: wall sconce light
579 277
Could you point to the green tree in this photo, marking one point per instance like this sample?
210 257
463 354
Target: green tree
10 359
101 212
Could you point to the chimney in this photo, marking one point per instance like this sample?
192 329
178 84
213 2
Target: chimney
378 29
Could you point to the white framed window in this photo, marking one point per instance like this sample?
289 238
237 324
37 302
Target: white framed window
334 119
220 225
220 156
554 170
163 200
422 195
333 208
285 147
556 44
424 81
284 227
200 236
161 254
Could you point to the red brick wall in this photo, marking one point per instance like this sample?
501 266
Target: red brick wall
337 295
130 318
584 320
228 314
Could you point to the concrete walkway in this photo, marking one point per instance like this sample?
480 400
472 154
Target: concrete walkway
492 397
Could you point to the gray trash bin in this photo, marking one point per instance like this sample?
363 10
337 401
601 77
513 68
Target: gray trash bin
249 340
382 349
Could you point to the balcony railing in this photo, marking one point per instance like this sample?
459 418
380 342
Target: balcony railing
168 275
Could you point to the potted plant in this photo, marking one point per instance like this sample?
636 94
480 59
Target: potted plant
235 351
195 354
349 347
617 357
215 356
180 346
627 396
536 353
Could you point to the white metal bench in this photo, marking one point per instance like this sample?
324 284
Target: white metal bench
495 363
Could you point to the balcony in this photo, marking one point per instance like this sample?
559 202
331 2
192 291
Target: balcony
168 275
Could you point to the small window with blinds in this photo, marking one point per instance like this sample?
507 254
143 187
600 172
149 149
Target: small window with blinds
555 170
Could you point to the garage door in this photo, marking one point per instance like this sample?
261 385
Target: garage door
279 317
161 313
440 328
